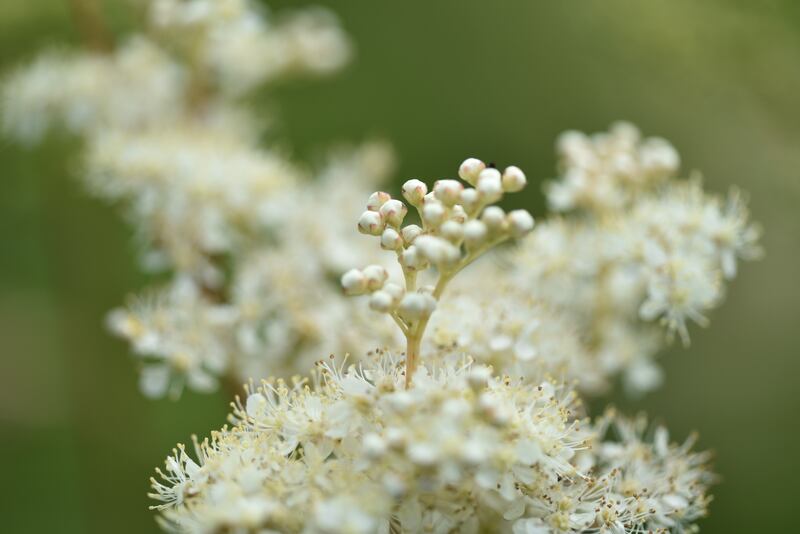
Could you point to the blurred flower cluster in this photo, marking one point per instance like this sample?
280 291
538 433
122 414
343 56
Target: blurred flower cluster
239 228
453 401
629 247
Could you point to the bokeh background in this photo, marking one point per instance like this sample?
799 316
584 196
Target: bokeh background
441 80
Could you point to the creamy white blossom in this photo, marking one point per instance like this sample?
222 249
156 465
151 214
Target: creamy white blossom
239 45
637 248
461 450
82 92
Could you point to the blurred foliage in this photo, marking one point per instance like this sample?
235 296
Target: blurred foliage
441 80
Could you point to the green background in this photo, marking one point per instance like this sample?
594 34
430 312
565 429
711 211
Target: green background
442 80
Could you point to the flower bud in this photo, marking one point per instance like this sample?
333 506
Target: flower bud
412 259
393 212
391 240
377 199
433 213
513 179
490 185
436 250
410 233
414 191
469 199
470 169
458 214
448 191
381 301
520 222
474 233
376 276
493 217
371 223
354 282
452 231
394 290
416 306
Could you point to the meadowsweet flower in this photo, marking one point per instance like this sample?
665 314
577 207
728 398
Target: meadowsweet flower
434 441
180 337
193 189
240 46
83 92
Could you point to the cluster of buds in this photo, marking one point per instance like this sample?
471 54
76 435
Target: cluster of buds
458 224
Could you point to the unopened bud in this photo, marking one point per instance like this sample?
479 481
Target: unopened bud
474 233
469 199
391 240
376 276
513 179
393 212
448 191
493 217
437 250
381 301
371 223
414 191
410 233
377 199
394 290
416 306
470 169
354 282
490 185
433 213
520 222
412 259
452 231
458 214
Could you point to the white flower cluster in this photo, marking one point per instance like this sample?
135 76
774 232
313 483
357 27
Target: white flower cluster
238 46
459 224
578 297
85 92
462 450
194 191
441 445
255 251
278 293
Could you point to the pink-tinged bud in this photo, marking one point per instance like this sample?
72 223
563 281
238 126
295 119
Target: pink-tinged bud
371 223
414 191
470 169
410 233
448 191
393 212
354 282
376 276
391 240
377 199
